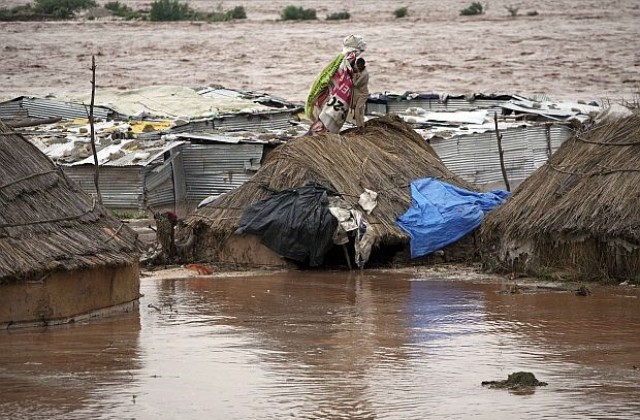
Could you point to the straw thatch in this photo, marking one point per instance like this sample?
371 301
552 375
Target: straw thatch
47 223
384 156
579 212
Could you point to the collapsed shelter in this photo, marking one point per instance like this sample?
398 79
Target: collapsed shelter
578 213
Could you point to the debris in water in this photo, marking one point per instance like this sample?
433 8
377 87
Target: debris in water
583 291
515 381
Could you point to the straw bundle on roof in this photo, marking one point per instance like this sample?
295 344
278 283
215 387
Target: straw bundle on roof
579 212
47 223
384 156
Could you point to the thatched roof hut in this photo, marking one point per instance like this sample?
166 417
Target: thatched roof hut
384 156
578 213
61 253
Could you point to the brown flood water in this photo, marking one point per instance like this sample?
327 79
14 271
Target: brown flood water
331 345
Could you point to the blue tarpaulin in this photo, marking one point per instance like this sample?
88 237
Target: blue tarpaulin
441 213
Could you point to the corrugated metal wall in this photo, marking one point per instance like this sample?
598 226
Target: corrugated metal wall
207 169
159 186
121 187
13 110
218 168
475 157
453 104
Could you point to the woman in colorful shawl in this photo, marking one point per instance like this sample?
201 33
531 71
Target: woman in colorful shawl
329 98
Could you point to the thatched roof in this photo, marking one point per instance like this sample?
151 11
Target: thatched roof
384 156
47 223
587 192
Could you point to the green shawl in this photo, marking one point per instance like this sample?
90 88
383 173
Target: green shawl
321 82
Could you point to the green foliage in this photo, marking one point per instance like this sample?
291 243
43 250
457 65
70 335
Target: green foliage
298 13
128 214
513 10
476 8
339 16
122 10
61 9
170 10
237 12
401 12
18 13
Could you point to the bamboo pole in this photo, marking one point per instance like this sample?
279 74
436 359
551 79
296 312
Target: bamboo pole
501 152
96 176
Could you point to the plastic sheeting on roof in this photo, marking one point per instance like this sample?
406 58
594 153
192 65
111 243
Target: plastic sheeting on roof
171 102
294 223
441 214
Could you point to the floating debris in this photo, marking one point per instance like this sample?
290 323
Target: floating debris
583 291
516 380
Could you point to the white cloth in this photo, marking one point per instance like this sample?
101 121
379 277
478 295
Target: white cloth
368 200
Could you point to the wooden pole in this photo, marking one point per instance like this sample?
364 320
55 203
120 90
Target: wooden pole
501 152
96 175
548 128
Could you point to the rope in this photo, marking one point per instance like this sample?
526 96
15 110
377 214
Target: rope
61 219
605 171
601 143
16 181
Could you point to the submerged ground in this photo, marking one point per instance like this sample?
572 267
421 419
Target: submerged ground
410 344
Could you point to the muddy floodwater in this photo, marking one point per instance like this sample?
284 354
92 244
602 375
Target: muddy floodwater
376 345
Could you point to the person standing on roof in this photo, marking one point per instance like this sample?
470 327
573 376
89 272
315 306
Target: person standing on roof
360 91
329 98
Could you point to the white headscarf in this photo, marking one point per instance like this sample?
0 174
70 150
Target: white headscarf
354 43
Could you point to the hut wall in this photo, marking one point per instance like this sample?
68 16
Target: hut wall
244 250
61 296
582 257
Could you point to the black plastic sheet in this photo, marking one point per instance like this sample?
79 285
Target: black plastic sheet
294 223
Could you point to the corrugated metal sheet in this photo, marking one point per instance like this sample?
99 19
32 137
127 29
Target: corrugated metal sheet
475 157
13 110
453 104
257 97
28 107
376 108
120 187
217 168
272 120
120 155
248 122
159 186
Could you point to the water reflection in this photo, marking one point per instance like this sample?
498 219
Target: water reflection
332 345
56 372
